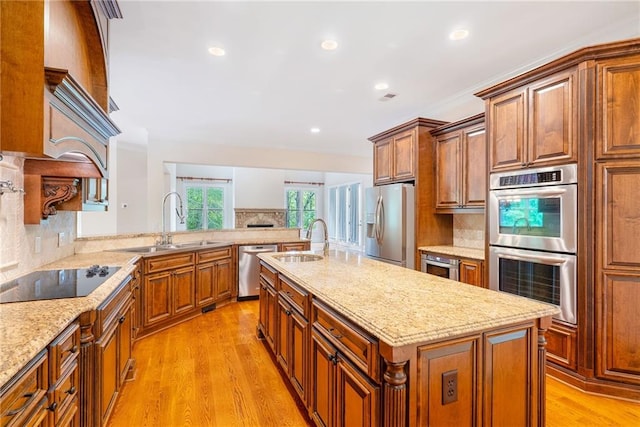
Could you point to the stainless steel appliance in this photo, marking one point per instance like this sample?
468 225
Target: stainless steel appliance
55 284
249 270
390 224
533 235
439 265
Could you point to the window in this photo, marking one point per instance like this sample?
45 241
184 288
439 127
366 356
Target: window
344 213
206 206
301 207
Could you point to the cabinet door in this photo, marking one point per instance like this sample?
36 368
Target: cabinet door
136 308
272 318
552 118
205 284
184 292
448 171
471 272
223 280
506 121
323 373
618 113
297 246
474 167
382 161
107 371
404 149
357 398
298 359
124 344
618 338
283 350
264 308
157 298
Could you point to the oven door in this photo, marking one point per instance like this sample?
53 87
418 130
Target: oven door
546 277
541 218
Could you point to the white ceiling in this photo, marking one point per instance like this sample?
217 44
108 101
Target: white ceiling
275 82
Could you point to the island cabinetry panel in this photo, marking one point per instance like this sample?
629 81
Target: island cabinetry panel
169 290
292 345
136 309
23 400
214 276
114 361
64 377
461 153
268 323
471 272
449 382
535 124
562 345
294 246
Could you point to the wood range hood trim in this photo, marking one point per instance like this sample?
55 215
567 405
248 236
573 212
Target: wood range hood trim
69 98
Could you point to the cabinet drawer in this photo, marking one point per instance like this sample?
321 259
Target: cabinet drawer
213 255
268 274
358 346
169 262
298 298
65 392
63 351
110 310
22 397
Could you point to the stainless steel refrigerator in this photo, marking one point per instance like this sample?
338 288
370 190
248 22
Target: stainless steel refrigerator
389 211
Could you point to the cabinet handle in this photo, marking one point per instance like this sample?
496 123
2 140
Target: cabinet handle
74 349
71 390
334 358
121 320
338 336
288 312
20 409
53 406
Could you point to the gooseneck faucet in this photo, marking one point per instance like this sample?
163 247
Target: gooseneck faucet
325 248
166 238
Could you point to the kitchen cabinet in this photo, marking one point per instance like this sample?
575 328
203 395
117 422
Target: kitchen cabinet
268 323
471 272
169 290
23 400
136 294
417 157
461 166
214 276
535 124
293 335
114 361
54 81
294 246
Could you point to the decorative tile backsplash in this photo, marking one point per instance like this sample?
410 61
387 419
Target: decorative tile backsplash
468 230
245 217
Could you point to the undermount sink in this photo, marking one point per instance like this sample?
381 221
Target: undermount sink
298 257
170 247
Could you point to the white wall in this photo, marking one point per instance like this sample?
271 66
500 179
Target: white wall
258 188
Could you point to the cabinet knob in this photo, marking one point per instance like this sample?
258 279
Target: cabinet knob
288 312
121 320
524 164
71 390
53 406
74 349
335 335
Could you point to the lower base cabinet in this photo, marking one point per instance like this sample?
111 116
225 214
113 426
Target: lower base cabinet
341 395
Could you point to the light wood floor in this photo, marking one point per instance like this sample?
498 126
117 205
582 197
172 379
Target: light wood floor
213 371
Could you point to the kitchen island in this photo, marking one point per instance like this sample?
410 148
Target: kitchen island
368 343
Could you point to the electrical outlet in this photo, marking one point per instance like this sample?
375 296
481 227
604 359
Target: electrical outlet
60 240
449 386
38 245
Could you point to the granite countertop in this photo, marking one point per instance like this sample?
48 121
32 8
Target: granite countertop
28 327
458 251
401 306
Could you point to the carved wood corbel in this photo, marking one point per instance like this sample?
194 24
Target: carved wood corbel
56 190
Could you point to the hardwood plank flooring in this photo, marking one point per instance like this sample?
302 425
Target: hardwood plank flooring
213 371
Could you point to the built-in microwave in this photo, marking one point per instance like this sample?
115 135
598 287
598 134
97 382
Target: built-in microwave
534 209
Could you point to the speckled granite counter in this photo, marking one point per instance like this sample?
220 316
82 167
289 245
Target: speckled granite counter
402 306
28 327
458 251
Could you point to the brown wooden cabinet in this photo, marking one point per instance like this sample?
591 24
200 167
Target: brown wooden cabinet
394 158
294 246
23 400
535 124
214 276
471 272
268 324
461 166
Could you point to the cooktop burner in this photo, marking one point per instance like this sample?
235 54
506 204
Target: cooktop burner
55 284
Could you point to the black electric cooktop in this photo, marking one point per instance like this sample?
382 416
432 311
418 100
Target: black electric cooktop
55 284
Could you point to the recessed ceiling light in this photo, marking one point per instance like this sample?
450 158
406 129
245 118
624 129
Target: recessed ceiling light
459 34
329 44
315 130
216 51
381 86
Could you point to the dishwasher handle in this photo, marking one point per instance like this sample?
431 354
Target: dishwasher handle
259 250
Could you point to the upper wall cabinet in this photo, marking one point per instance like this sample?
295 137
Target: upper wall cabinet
54 79
395 151
461 158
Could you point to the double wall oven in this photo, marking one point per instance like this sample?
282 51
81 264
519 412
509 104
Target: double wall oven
533 235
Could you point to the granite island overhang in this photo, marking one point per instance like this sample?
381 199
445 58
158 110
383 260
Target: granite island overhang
425 325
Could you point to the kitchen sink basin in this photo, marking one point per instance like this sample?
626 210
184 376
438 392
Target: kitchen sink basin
170 247
298 257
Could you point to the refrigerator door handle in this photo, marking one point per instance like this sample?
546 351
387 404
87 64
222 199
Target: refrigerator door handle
376 224
380 221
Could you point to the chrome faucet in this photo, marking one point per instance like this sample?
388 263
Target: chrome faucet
325 248
166 238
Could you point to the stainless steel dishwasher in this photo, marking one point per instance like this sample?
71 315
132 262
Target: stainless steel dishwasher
249 270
